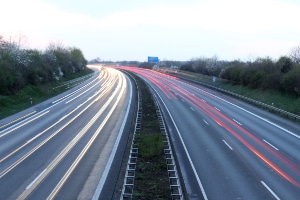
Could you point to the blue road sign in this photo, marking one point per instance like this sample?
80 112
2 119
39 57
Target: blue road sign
153 59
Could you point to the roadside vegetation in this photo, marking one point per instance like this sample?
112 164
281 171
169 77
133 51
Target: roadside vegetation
281 100
29 75
274 82
281 75
151 178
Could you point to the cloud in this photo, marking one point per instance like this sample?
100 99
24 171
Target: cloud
231 15
217 15
39 21
195 27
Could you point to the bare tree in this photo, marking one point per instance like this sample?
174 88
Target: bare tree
295 54
212 65
2 42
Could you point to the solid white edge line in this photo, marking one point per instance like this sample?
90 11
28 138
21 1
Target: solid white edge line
271 191
112 155
228 145
247 111
32 116
270 144
36 179
186 151
24 116
30 119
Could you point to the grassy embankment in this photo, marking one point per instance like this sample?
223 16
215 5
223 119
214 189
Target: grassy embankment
151 179
282 101
10 105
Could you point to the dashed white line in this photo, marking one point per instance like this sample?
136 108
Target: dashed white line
205 122
192 108
203 100
271 191
270 144
228 145
237 122
217 109
185 149
247 111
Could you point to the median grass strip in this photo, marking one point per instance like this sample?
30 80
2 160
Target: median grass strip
151 180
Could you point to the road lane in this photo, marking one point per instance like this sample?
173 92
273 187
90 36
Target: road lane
42 155
245 166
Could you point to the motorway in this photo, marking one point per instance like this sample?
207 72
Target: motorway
227 149
65 147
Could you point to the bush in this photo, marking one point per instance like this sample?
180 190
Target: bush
21 67
291 81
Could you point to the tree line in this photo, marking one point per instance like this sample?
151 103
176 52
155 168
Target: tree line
282 74
20 66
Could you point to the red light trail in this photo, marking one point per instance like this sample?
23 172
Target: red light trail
162 81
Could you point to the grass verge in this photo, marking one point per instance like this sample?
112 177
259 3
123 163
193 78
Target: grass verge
151 178
31 95
278 99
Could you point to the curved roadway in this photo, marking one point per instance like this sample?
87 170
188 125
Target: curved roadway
227 149
64 148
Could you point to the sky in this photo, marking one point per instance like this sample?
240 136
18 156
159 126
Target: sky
176 30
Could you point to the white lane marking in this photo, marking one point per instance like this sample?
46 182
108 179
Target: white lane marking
23 121
203 100
18 125
7 124
247 111
271 191
205 122
217 109
74 92
185 149
36 179
69 146
270 144
228 145
81 93
113 153
192 108
237 122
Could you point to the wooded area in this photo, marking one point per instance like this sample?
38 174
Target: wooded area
263 73
22 66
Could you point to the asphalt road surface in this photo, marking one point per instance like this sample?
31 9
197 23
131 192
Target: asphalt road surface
64 148
227 149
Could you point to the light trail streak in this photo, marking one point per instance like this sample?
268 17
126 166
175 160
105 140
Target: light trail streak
23 124
70 146
211 112
85 149
12 166
217 116
100 93
20 118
